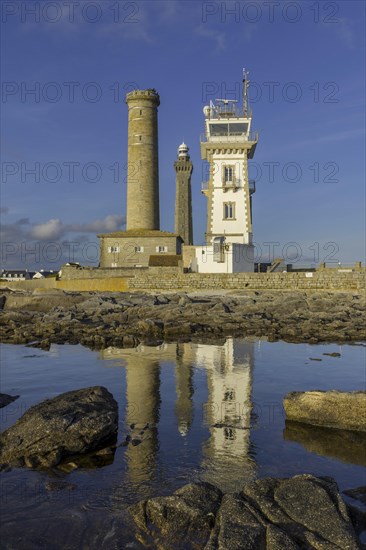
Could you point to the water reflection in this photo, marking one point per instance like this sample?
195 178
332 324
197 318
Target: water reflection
229 377
343 445
228 367
184 387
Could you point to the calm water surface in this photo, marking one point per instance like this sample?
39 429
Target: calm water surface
214 413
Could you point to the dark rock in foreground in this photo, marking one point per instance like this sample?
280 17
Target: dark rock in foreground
269 514
7 399
331 409
71 424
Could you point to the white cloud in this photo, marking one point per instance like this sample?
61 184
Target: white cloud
54 229
51 230
218 37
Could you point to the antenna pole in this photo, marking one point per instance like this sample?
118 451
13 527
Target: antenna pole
245 91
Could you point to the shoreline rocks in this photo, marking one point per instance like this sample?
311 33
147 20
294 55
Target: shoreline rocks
56 430
6 399
99 320
330 409
299 512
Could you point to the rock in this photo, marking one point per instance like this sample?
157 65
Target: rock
270 514
187 515
359 493
332 409
6 399
309 501
2 301
99 320
236 526
71 424
162 299
184 299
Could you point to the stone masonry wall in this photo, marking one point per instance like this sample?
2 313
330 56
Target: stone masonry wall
355 281
72 273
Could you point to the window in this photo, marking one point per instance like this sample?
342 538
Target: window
229 210
229 395
161 249
113 249
229 433
114 264
228 174
139 249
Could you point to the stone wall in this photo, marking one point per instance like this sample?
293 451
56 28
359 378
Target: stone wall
355 281
111 284
72 273
172 279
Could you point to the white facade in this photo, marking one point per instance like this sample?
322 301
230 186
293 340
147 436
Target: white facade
227 145
235 258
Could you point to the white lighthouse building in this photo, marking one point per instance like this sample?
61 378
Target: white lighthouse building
227 145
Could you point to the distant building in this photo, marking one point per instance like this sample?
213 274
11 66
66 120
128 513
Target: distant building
16 275
42 274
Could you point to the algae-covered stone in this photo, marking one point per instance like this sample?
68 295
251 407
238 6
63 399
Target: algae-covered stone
332 409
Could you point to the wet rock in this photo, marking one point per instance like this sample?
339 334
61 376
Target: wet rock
71 424
332 409
102 319
236 526
309 502
186 516
59 485
269 514
7 399
359 493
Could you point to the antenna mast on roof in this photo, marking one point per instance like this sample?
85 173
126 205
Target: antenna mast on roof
245 91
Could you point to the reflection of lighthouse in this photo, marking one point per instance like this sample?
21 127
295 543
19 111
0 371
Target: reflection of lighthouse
184 388
142 408
227 411
225 455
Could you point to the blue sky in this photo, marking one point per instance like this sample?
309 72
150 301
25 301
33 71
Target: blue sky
306 61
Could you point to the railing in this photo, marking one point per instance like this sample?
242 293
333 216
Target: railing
233 138
227 111
226 186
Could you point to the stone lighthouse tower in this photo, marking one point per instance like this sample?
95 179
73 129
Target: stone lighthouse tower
142 243
183 200
143 169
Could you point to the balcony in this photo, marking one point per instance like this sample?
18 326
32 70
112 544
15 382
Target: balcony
229 138
226 186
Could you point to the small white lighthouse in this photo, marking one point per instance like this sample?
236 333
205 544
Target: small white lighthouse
227 145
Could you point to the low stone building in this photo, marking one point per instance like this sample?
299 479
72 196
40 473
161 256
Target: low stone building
133 248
